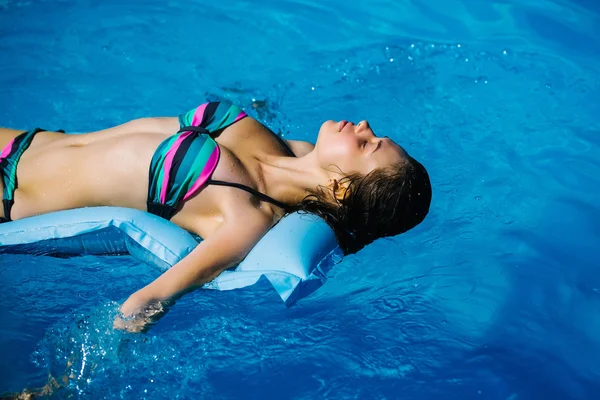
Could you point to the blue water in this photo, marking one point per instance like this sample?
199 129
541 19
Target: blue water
495 296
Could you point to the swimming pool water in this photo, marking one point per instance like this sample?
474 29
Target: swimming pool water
495 296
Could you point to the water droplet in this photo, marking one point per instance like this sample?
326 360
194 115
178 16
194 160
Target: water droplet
504 52
391 60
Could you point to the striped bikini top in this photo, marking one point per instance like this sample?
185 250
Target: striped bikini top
183 163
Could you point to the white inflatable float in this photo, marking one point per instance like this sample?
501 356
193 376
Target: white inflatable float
294 255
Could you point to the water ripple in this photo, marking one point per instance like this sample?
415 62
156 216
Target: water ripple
497 99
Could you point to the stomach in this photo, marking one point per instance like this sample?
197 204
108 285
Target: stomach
61 171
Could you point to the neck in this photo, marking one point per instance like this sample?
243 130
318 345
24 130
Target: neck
291 179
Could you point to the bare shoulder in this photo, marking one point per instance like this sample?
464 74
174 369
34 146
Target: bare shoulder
248 214
243 220
299 147
243 227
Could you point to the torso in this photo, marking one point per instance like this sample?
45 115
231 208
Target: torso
62 171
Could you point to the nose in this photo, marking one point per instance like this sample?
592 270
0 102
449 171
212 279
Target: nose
363 126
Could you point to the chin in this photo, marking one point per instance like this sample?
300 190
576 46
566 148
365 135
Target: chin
325 128
330 126
323 135
327 125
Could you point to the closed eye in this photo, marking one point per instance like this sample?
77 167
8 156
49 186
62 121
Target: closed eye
377 147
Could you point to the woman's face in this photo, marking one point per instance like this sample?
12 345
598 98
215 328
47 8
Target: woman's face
355 148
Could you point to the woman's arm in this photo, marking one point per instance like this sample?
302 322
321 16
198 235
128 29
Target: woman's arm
224 249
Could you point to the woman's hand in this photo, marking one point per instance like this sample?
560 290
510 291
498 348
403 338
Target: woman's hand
137 315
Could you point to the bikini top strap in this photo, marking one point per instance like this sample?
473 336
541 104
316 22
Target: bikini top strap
248 189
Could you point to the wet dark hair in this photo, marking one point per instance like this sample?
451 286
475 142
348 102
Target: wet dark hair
386 202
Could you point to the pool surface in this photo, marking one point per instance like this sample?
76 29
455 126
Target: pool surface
495 296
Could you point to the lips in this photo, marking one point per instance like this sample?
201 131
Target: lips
342 124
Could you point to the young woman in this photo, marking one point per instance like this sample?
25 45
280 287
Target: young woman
223 176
